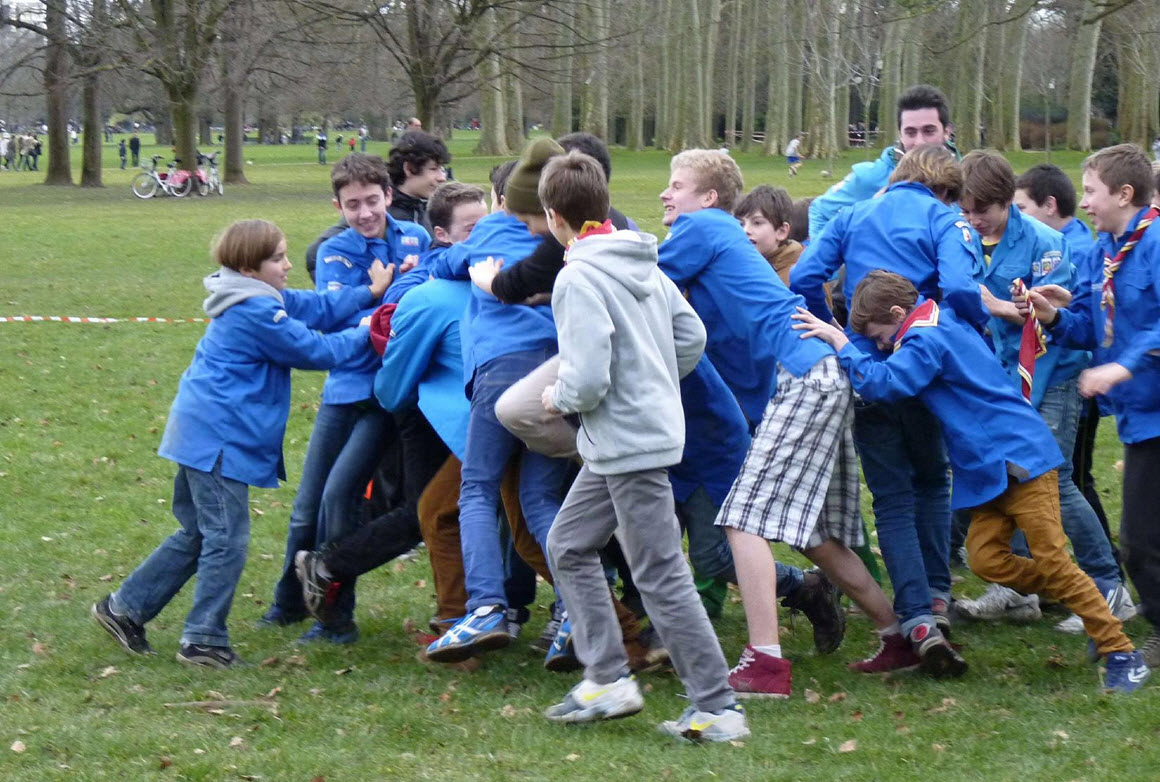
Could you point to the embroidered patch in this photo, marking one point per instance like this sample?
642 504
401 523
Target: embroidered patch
338 259
966 229
410 241
279 315
1050 261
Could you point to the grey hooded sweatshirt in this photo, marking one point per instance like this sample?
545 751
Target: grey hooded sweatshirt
626 338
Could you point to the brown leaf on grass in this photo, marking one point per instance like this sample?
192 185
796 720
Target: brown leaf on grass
215 712
508 710
106 578
572 757
399 567
237 741
409 626
939 747
902 730
812 697
421 583
164 762
39 648
268 662
848 746
1056 662
107 672
318 778
837 696
18 746
344 671
856 716
809 741
296 659
444 696
946 704
214 695
274 693
1062 734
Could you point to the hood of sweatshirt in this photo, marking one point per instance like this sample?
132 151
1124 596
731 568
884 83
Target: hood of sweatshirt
228 287
627 256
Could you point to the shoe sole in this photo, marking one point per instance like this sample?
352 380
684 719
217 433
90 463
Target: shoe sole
563 663
497 639
941 661
698 737
113 629
590 715
204 662
760 695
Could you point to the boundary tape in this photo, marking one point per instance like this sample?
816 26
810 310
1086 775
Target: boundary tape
94 320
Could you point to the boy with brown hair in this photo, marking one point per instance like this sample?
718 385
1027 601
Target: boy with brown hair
626 337
765 214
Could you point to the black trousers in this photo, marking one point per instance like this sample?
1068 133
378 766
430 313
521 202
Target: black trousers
1140 523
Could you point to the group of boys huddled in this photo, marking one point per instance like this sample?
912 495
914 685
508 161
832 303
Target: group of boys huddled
552 394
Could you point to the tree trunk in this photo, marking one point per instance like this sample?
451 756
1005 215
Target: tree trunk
94 120
562 85
711 13
776 108
752 13
183 109
59 167
795 74
665 91
635 140
1017 46
890 86
513 103
594 104
736 16
492 138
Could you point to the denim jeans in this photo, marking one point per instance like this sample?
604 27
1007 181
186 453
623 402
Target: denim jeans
905 465
1060 410
341 456
489 448
214 513
709 551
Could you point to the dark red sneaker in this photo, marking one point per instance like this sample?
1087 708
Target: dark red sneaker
760 675
939 658
894 654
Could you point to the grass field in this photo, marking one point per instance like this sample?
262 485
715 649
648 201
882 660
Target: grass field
83 498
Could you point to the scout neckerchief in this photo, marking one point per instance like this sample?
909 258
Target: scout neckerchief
590 228
1112 265
1032 344
925 314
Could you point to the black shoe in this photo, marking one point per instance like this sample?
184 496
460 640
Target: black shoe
208 656
128 633
319 592
817 598
542 644
277 617
938 657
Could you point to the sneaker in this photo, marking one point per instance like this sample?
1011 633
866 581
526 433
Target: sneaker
124 630
514 620
726 725
938 658
276 616
760 675
894 654
817 598
1127 672
647 653
999 602
319 592
561 657
544 642
483 629
342 635
1118 600
942 616
208 656
1151 649
589 701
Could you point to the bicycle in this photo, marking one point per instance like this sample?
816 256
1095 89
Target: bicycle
208 178
171 182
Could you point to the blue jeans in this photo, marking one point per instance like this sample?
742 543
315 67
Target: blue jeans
1060 410
341 456
214 513
489 448
904 461
709 551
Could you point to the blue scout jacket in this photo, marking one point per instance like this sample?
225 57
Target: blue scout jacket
423 362
716 436
745 307
1079 238
907 231
343 261
864 180
990 430
491 328
1038 255
1136 335
233 400
400 286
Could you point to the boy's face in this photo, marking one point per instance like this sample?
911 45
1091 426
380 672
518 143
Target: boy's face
365 208
463 220
1026 204
763 234
883 333
421 182
274 270
1107 209
989 221
683 195
537 223
921 126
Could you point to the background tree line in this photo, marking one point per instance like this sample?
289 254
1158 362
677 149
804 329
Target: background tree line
665 73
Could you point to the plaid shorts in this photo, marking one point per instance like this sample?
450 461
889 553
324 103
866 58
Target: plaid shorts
799 482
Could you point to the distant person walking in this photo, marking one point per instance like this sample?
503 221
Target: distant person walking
121 153
135 149
321 148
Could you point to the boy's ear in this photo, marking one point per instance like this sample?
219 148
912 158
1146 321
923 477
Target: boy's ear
1126 194
554 218
782 233
441 234
1051 205
337 205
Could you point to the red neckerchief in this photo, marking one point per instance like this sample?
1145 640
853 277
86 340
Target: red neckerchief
925 314
590 228
1032 342
1112 265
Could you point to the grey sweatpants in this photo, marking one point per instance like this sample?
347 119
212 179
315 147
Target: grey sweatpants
638 508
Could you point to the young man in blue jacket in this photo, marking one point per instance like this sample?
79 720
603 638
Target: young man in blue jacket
1018 248
350 427
1116 313
225 432
1003 456
911 230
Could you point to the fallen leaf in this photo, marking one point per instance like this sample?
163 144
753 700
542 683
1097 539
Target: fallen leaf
274 692
343 671
848 746
215 711
409 626
444 696
107 672
39 648
214 695
18 746
508 710
269 661
420 583
106 577
837 696
199 751
735 744
572 756
856 716
812 697
237 741
1060 734
902 729
164 762
809 741
939 747
399 567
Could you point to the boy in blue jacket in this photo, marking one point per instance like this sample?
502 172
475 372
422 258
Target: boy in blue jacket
1116 313
225 432
350 427
1002 454
1017 248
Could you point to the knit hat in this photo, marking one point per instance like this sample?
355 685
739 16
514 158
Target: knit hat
521 191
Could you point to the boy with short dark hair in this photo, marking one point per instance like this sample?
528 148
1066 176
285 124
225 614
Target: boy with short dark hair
416 164
1001 452
1046 193
765 214
626 337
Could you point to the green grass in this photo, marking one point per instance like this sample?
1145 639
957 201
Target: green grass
85 498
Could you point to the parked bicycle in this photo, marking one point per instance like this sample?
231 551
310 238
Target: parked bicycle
172 181
208 178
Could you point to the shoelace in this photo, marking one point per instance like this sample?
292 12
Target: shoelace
747 657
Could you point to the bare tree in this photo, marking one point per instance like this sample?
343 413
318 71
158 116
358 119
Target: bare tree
1083 65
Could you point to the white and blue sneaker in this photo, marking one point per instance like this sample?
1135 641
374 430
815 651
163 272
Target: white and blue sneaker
561 656
1120 603
589 701
729 724
483 629
1126 672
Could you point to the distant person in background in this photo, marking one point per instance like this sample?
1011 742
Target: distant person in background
321 141
350 143
414 123
135 149
37 148
791 154
362 138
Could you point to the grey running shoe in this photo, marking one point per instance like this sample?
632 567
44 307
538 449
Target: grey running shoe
729 724
1118 600
319 592
126 632
208 656
589 701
